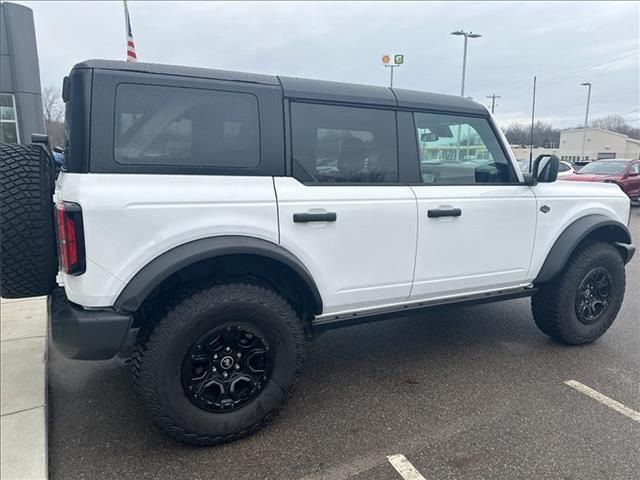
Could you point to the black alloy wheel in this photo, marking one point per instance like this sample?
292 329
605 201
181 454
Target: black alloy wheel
592 299
227 367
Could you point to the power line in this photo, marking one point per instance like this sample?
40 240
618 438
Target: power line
573 73
630 112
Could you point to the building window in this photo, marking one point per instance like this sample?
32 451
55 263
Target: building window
8 119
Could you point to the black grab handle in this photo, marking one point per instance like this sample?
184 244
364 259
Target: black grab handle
314 217
444 212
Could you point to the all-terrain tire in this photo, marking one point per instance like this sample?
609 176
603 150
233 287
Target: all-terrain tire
28 260
554 306
158 360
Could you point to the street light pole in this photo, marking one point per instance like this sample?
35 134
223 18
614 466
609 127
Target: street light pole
467 36
586 118
464 64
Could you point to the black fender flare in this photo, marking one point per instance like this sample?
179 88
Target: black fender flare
575 233
170 262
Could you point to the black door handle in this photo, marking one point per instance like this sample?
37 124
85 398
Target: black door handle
314 217
444 212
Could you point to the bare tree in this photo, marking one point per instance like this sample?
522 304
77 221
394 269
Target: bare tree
53 107
616 123
544 134
52 104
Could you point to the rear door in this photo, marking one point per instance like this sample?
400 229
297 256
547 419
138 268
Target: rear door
476 223
343 212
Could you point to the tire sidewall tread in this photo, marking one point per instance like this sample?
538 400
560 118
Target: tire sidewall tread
185 321
553 307
28 253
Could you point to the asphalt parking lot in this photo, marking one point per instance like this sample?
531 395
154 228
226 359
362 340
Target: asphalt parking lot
471 393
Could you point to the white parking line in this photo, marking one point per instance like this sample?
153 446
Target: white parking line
404 467
609 402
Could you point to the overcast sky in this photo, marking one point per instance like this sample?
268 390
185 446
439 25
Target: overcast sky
564 44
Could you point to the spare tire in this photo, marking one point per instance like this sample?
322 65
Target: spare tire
28 260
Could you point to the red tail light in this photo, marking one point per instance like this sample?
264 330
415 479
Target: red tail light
70 238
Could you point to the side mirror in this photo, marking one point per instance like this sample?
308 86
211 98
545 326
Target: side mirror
429 137
545 170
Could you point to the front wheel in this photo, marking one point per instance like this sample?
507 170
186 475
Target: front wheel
583 301
221 363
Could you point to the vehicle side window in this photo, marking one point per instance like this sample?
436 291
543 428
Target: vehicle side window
563 167
157 125
338 144
635 168
458 150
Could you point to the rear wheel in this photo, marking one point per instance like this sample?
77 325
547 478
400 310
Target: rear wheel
221 363
583 301
28 260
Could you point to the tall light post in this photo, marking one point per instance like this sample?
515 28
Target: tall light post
467 36
586 117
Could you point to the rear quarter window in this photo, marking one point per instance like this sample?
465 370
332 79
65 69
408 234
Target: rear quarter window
176 126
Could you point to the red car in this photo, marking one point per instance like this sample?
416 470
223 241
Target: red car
624 173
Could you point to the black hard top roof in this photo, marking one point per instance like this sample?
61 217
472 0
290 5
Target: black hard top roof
307 89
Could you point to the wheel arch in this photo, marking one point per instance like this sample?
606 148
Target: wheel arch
197 252
585 229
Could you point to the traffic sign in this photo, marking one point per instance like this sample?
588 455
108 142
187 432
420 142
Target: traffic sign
398 59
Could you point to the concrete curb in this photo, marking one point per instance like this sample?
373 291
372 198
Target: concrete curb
23 389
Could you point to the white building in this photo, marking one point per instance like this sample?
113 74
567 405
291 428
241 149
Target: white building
598 144
521 152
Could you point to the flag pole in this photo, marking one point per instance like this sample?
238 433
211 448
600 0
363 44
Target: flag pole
126 26
131 46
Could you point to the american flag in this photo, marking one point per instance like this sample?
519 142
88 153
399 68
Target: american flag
131 46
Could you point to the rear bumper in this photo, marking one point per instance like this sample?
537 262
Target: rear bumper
627 250
86 334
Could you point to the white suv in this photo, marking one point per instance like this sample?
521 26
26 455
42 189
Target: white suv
212 220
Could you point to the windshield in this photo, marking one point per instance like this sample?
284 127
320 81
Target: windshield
604 168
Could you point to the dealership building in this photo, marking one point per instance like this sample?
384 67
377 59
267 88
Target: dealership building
598 144
20 95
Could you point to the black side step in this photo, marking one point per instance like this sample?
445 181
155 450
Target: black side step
349 319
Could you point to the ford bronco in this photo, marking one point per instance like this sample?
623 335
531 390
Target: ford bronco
207 223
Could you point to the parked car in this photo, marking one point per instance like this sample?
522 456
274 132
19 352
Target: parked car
213 221
564 168
623 172
579 164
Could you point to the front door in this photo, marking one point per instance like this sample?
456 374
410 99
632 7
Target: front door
476 224
342 212
631 181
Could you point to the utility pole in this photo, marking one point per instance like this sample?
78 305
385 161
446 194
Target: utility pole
493 102
586 118
533 114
